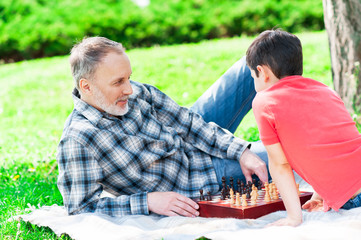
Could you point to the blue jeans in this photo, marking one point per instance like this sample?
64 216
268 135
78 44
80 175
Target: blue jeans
226 103
353 203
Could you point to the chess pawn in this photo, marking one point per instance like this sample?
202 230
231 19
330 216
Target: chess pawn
238 199
223 194
231 200
244 200
231 192
274 193
267 197
270 186
275 196
253 197
271 191
201 197
209 196
248 194
259 187
254 181
231 196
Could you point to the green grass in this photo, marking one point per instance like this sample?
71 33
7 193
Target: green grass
35 99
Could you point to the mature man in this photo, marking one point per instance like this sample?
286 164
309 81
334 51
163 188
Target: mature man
131 140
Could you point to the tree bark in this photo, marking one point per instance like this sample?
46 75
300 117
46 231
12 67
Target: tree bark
343 25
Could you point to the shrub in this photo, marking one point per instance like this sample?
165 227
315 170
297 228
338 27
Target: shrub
39 28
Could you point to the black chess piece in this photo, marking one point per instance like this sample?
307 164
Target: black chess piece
259 187
224 189
223 197
231 185
239 188
248 193
223 180
201 197
254 182
209 196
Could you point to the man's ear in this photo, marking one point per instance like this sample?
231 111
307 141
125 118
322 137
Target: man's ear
84 86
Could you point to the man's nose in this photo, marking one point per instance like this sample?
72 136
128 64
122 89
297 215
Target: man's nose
128 90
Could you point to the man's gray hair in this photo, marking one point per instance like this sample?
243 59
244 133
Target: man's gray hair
86 55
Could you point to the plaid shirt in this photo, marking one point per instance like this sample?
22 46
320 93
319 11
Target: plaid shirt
156 146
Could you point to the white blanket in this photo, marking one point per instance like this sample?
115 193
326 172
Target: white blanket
344 224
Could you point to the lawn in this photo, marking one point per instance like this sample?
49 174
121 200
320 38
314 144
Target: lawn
35 100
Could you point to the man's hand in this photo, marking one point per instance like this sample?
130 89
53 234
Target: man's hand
252 164
172 204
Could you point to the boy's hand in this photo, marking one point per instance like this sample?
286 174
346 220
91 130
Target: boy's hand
286 222
313 205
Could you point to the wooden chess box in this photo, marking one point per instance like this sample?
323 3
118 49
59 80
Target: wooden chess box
224 209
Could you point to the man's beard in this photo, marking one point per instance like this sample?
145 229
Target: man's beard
111 108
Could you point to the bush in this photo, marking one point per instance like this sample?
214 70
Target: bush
39 28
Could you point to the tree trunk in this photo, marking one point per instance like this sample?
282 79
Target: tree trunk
343 25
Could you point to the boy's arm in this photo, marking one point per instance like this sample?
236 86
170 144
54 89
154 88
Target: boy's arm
282 175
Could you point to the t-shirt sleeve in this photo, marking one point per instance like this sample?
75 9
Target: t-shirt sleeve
265 120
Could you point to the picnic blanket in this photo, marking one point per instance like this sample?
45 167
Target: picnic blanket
344 224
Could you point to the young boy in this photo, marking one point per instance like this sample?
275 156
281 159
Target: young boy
305 127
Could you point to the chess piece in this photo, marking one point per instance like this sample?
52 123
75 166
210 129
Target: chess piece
244 200
201 197
224 189
254 182
231 196
254 196
238 199
209 196
267 197
231 186
275 193
259 187
223 194
248 194
239 188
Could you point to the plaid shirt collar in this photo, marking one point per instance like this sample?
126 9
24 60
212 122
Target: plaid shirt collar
91 113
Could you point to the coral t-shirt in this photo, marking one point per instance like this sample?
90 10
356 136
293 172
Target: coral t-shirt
317 134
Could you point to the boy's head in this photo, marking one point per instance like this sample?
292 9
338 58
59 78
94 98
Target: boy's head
278 50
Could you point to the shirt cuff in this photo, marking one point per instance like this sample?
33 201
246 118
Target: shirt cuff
236 148
139 204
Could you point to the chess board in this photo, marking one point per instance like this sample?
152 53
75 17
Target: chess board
223 209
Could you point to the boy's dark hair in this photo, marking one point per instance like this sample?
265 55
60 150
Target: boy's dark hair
279 50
